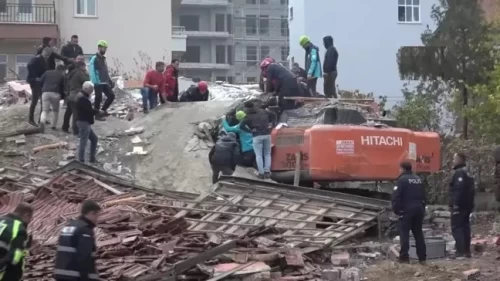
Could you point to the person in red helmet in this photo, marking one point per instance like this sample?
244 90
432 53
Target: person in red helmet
281 82
197 92
267 60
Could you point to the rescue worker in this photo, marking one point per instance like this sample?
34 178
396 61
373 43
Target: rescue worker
299 72
408 203
281 81
48 42
72 50
262 83
76 78
37 66
246 144
171 82
76 252
223 156
154 86
99 75
330 68
461 204
197 92
260 122
312 63
14 241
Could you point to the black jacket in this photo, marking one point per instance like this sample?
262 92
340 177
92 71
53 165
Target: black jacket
52 58
193 94
76 78
461 191
331 55
408 194
53 81
300 72
13 269
36 68
84 110
226 152
278 76
76 252
71 50
258 121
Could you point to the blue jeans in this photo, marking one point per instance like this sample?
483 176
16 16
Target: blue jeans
150 96
262 148
85 133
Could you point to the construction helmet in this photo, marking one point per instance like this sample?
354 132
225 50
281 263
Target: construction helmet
304 40
102 43
240 115
203 87
266 62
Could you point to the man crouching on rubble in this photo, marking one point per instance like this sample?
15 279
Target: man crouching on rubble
224 156
408 203
76 252
85 114
154 87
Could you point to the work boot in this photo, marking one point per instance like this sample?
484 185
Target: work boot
32 123
267 175
404 260
145 111
422 262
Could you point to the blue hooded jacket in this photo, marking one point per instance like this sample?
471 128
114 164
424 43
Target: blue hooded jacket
246 141
313 62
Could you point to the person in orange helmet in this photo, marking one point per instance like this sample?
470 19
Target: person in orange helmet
197 92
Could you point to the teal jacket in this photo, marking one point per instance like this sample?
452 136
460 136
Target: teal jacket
246 141
313 62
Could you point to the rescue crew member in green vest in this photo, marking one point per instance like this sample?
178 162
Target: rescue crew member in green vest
76 253
14 242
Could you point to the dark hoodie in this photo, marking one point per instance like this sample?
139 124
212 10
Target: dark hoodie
76 79
257 121
85 112
193 94
331 55
53 56
226 151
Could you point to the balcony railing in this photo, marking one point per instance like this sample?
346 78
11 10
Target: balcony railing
178 30
26 13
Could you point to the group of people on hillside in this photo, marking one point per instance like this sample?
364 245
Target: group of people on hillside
72 82
76 250
161 84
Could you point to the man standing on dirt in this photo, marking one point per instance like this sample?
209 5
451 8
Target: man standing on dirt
85 114
76 78
260 123
172 82
99 75
52 93
330 68
224 156
408 203
72 50
37 66
312 63
461 204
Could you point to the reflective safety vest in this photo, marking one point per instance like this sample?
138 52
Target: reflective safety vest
76 252
13 240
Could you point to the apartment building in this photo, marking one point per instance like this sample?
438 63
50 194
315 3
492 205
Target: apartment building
367 47
24 22
226 39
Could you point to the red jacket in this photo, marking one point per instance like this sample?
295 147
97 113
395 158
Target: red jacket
171 81
154 77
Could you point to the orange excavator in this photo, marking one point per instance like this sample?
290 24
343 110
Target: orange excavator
340 144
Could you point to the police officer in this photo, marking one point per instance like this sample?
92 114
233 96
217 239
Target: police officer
76 253
461 204
408 203
14 241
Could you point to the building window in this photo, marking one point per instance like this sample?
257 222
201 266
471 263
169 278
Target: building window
230 79
284 26
284 2
3 8
220 22
220 54
86 8
251 79
220 78
22 65
264 2
192 54
409 11
251 24
3 67
251 2
284 53
264 25
252 59
264 52
290 16
190 22
229 24
230 57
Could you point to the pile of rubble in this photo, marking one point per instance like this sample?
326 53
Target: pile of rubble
241 230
